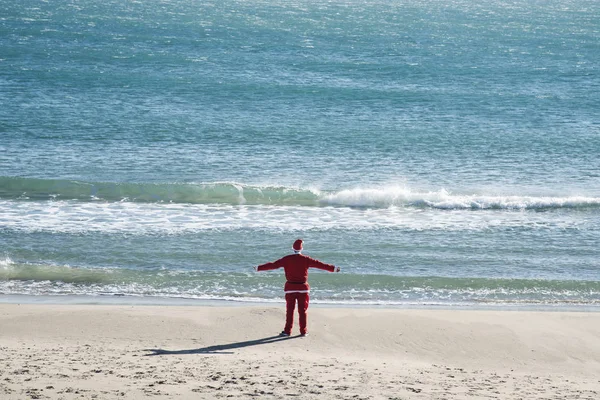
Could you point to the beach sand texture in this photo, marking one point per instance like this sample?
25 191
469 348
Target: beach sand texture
206 352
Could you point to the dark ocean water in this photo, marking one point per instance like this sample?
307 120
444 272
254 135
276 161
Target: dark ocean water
439 152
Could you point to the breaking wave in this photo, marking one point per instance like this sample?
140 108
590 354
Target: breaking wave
232 193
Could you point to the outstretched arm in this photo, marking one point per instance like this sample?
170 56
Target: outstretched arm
269 266
321 265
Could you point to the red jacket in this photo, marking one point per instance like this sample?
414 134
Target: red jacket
296 270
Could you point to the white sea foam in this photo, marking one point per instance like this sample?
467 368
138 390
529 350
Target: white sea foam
148 218
414 296
6 262
443 199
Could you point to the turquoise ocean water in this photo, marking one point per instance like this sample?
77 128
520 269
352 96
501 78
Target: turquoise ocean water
440 152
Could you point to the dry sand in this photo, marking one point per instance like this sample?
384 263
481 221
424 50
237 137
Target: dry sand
206 352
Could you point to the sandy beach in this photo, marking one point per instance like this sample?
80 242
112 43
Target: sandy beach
209 352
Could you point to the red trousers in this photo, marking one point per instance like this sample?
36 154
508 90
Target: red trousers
290 300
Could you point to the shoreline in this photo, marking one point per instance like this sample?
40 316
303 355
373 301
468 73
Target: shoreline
190 302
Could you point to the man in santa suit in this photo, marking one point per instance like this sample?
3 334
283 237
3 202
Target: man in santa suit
296 286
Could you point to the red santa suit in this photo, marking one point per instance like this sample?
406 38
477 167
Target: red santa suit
296 286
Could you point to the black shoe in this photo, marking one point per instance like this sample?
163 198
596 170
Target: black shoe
284 334
304 334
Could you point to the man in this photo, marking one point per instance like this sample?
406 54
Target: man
296 286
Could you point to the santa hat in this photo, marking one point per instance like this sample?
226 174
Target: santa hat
297 245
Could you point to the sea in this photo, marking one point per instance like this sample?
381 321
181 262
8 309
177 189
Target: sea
443 153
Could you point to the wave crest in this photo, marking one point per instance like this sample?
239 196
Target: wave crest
442 199
184 193
232 193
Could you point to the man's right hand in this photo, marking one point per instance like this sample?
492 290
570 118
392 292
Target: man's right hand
337 269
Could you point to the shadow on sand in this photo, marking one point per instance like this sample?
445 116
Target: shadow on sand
220 348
